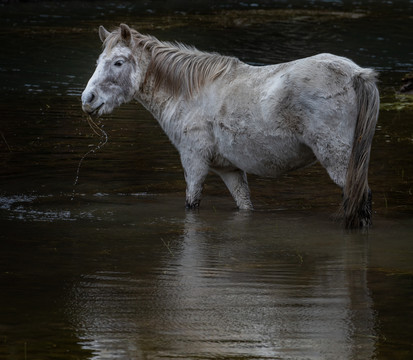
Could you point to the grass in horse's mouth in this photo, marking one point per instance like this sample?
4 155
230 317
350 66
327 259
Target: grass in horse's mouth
96 110
95 128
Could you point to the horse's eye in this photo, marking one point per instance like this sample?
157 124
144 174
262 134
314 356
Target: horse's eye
119 63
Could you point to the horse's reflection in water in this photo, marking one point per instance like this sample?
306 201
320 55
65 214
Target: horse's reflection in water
225 287
277 297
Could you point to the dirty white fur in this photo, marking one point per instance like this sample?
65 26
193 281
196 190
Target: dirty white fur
233 118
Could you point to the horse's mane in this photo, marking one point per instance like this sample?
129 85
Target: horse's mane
181 69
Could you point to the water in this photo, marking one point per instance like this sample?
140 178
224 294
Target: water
122 271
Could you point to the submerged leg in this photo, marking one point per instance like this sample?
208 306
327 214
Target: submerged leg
236 182
195 170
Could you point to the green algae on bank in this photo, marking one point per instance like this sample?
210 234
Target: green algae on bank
398 102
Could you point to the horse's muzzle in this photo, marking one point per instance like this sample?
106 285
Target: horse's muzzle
89 101
89 109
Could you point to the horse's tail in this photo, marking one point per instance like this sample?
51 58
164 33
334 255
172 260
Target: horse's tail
356 206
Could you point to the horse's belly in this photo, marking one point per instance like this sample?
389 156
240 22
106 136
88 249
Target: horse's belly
268 158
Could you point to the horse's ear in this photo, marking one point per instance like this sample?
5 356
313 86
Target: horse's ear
126 34
103 33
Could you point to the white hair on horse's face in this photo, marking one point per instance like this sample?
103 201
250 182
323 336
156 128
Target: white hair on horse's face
112 83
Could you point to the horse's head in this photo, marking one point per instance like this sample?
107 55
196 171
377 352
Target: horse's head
117 74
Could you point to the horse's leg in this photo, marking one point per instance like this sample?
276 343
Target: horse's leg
333 155
236 182
335 160
337 166
195 171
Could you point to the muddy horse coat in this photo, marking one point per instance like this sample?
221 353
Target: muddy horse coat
233 118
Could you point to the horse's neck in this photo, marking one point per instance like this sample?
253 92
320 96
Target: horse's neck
158 101
165 109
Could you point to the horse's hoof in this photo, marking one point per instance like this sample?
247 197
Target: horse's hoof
192 206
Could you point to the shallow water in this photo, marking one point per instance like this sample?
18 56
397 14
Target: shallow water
122 271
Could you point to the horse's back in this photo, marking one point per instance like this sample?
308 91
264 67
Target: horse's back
314 94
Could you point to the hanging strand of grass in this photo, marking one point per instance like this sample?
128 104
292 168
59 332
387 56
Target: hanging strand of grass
98 130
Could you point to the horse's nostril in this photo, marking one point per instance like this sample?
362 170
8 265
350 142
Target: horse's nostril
91 97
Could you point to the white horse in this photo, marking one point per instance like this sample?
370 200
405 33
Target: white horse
233 118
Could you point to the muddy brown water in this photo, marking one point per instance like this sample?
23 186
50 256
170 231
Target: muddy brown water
122 271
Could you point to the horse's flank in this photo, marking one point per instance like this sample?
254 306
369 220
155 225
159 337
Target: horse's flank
180 69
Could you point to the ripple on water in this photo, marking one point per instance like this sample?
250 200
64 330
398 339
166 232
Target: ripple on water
37 208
